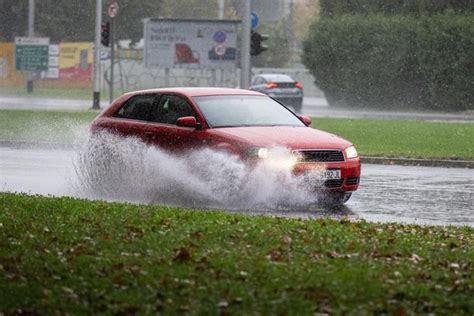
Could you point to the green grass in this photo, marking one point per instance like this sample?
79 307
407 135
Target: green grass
46 126
67 256
411 139
68 93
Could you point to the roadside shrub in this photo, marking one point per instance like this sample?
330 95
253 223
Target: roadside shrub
394 61
415 7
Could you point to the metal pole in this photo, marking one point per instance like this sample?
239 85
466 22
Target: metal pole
112 53
245 46
98 23
221 9
31 33
291 32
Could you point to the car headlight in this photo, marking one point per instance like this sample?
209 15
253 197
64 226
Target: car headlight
279 158
351 152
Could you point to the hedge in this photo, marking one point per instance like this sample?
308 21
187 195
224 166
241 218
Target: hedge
414 7
394 61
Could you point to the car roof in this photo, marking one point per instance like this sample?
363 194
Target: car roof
277 77
198 91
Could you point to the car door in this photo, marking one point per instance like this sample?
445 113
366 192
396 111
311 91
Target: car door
162 129
131 118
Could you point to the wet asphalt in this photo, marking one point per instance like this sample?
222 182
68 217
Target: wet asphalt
387 193
312 106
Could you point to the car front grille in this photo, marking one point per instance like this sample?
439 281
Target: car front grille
333 183
321 156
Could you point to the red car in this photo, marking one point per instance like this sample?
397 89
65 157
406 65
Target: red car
242 122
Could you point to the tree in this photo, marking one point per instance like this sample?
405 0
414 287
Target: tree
413 7
198 9
14 19
73 20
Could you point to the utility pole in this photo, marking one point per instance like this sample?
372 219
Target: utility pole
245 46
112 11
98 23
291 32
31 33
221 9
112 60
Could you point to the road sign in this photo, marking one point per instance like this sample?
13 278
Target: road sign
219 37
113 9
220 50
31 53
254 19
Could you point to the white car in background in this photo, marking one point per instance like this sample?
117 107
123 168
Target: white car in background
280 87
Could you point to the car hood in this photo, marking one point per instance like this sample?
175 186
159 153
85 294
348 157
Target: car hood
292 137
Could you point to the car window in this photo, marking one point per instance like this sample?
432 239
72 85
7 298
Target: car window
137 108
280 78
170 108
259 80
245 110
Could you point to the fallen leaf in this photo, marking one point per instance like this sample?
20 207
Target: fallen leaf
287 240
181 255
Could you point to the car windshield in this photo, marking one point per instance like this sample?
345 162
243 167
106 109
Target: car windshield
244 110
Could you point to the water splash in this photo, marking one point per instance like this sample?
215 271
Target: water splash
126 169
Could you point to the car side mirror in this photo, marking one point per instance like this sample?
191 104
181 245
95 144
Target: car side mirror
306 119
187 121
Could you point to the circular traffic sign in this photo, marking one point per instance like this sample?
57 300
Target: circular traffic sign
254 19
219 37
220 50
113 9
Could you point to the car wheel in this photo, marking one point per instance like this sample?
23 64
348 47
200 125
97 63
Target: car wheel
337 198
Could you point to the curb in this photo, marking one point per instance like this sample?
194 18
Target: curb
446 163
418 162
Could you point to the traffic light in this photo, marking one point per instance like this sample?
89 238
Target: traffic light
256 39
105 34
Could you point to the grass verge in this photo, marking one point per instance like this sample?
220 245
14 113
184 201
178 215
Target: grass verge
67 256
46 126
410 139
45 92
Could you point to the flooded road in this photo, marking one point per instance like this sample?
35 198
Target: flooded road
421 195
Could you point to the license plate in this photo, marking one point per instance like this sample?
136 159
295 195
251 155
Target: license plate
331 174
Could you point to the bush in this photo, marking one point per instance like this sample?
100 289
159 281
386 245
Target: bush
394 61
415 7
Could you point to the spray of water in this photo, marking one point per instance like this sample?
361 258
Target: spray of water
126 169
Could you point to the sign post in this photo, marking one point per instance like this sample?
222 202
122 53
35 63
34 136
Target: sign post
245 46
31 33
97 53
112 11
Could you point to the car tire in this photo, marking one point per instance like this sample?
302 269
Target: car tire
337 198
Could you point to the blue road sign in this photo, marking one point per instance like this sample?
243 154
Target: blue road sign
254 19
219 37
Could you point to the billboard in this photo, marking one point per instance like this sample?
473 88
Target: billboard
75 61
190 43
